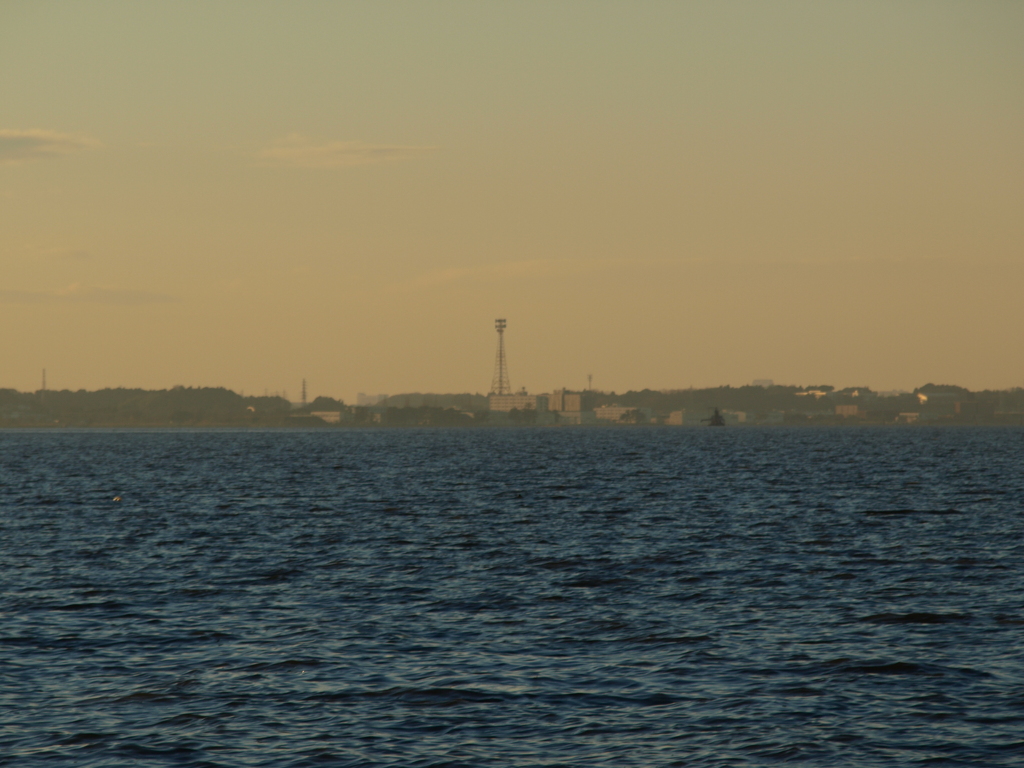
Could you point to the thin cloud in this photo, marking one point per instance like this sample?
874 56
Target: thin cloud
36 144
298 152
86 294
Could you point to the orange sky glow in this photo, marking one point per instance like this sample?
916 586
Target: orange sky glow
665 195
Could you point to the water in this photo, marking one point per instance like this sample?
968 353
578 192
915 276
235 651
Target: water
621 597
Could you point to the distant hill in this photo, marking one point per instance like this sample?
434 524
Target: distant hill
179 406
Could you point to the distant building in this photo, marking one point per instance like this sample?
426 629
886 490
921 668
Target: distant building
556 400
734 417
368 400
763 383
564 400
521 402
908 417
677 418
847 410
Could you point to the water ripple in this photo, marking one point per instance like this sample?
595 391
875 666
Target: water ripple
620 597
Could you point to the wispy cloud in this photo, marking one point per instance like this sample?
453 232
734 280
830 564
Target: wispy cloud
299 152
86 294
35 144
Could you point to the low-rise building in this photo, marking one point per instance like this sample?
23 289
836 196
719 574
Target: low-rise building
847 410
677 418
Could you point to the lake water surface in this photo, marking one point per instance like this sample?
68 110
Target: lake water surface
530 597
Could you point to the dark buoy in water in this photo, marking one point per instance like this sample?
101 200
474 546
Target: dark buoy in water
716 420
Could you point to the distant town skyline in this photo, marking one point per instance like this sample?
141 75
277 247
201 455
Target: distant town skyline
935 405
364 399
659 194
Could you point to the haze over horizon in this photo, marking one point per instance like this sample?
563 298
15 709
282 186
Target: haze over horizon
663 195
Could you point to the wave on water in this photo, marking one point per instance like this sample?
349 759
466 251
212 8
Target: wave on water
512 597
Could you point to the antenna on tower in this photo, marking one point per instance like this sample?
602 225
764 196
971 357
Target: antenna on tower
590 381
44 379
303 393
499 384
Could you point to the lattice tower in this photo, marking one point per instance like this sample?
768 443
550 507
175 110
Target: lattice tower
499 383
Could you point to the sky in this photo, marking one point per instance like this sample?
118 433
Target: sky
660 194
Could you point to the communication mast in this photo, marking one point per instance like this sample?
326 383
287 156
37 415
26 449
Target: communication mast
303 393
499 384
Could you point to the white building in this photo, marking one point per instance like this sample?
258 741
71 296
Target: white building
564 400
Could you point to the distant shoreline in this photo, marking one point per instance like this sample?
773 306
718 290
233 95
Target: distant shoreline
745 406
